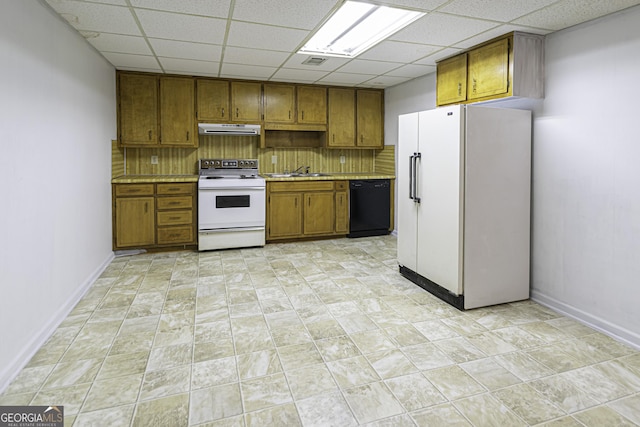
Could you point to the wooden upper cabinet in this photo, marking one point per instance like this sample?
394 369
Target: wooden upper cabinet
369 113
246 101
451 86
312 105
138 109
488 72
177 111
279 103
342 117
213 100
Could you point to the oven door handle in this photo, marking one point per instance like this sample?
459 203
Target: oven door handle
230 188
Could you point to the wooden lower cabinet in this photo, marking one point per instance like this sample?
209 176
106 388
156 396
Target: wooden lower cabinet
154 215
304 209
342 207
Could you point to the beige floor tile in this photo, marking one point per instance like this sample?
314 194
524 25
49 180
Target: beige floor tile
215 403
602 416
263 392
415 392
283 415
530 405
120 415
165 412
454 383
258 364
438 416
335 348
484 410
165 382
391 363
490 374
629 407
112 392
563 393
325 410
352 372
299 355
372 402
214 372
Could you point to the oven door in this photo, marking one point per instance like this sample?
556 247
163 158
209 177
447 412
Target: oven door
232 207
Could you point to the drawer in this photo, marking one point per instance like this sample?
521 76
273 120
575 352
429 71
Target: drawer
134 189
301 186
342 185
175 188
175 218
185 202
175 235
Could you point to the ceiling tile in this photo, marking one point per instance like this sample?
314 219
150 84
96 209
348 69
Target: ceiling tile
113 2
106 42
212 8
398 51
442 30
368 67
332 63
175 26
437 56
125 61
412 71
345 79
259 36
186 50
97 17
242 55
285 13
188 66
572 12
498 10
306 76
384 81
497 32
247 71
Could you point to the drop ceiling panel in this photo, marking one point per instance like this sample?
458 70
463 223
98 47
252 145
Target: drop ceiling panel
437 56
186 50
188 66
97 17
571 12
442 30
422 5
106 42
305 76
284 13
125 61
332 63
268 37
398 52
497 10
247 71
175 26
412 71
212 8
242 55
360 66
497 32
384 81
345 79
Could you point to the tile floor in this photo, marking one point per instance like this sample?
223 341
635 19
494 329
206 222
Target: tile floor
322 333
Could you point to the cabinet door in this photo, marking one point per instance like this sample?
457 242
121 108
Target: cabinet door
451 80
246 101
135 221
369 111
138 109
177 111
319 211
342 117
213 100
342 212
285 215
312 105
489 70
279 101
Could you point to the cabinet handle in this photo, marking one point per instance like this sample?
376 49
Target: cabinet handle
295 203
361 138
334 137
309 201
222 112
237 112
459 89
303 115
146 207
474 85
150 134
289 114
187 135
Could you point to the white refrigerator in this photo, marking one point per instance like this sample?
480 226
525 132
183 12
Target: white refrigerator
464 188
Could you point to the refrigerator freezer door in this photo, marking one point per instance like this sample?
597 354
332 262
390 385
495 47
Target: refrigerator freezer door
440 188
407 225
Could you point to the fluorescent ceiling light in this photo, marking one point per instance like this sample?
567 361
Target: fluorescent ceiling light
355 27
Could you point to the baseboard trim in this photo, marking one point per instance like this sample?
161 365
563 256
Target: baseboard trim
9 372
614 331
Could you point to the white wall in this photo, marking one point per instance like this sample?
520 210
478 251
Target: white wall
586 152
586 204
57 119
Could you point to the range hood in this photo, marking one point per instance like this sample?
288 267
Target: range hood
227 129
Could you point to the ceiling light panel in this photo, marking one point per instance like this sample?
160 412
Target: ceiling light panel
356 27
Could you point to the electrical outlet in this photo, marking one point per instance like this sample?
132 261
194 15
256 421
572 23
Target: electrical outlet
343 160
154 160
274 160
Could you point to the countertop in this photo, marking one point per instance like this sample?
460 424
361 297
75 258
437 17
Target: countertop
142 179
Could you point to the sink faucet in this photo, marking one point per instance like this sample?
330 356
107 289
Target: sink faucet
306 169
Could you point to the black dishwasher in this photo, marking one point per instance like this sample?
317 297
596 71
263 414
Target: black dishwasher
369 207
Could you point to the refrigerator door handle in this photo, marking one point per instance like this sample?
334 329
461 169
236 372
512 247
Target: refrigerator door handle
411 165
416 156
